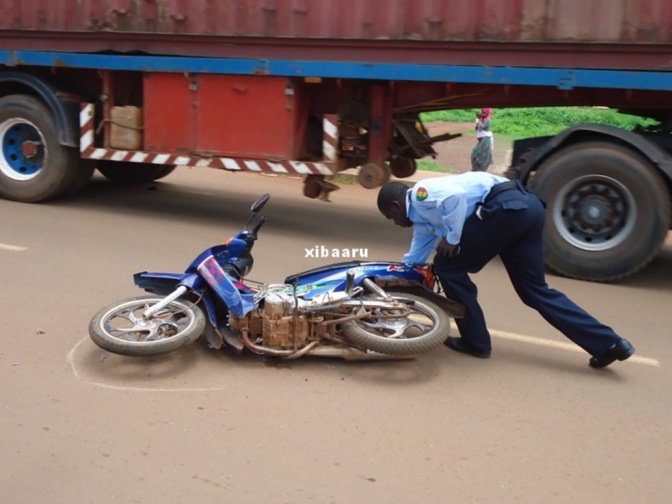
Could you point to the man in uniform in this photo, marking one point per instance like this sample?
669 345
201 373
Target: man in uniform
471 218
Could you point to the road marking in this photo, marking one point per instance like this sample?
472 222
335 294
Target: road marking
560 345
200 193
521 338
12 248
80 377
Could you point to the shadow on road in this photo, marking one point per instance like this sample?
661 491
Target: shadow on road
656 275
197 368
227 207
288 209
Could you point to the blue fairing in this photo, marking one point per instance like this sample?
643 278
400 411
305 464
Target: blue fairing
165 283
205 276
333 276
223 285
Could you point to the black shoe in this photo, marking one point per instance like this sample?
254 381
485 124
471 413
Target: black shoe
620 351
458 345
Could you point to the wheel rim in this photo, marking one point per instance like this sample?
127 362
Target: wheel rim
126 323
594 212
406 322
23 150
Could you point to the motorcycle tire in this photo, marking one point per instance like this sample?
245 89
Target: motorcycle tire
119 328
395 337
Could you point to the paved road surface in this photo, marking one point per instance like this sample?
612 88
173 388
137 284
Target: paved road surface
532 424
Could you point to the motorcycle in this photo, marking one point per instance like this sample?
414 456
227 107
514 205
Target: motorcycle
352 310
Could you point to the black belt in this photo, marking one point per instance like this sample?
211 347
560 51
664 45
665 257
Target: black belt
500 188
494 191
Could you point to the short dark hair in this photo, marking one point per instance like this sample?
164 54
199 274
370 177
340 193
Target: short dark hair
390 192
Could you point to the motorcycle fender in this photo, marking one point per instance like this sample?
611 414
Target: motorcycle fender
157 283
165 283
452 308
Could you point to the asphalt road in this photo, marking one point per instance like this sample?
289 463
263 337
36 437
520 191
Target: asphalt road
532 424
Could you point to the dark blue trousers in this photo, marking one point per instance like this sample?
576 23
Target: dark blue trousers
511 227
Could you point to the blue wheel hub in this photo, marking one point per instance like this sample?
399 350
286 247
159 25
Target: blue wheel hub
22 150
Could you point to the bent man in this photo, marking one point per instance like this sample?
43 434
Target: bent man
471 218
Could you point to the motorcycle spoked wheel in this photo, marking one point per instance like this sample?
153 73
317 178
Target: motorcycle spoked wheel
121 329
423 329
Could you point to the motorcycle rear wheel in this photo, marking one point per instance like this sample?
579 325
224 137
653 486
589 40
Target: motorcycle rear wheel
120 328
425 328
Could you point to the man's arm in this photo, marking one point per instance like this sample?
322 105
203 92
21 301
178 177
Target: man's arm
453 214
422 245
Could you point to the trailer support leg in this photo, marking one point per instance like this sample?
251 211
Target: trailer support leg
376 172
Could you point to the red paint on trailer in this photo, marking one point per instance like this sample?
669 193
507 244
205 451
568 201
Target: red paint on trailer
246 116
560 33
222 115
167 115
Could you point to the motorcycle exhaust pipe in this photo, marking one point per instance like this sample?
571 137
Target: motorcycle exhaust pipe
274 352
353 354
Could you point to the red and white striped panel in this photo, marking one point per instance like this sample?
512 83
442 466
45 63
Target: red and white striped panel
330 138
89 151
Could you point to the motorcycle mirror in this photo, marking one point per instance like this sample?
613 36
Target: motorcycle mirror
259 204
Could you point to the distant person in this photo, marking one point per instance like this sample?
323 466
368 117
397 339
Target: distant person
482 153
471 218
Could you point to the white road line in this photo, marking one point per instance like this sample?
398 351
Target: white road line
12 248
560 345
200 193
78 376
521 338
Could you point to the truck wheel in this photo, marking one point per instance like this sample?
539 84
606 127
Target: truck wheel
608 211
82 178
133 173
34 166
403 167
164 171
373 175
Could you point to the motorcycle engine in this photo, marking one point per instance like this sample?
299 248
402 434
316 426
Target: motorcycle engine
281 328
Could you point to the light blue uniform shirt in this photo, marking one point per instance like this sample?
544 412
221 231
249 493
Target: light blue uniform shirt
438 208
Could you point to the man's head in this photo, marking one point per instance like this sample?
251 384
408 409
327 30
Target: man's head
392 203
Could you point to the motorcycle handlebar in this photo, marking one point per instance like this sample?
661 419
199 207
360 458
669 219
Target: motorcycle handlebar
261 222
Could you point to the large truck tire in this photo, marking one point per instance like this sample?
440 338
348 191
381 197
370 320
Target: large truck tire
608 211
133 173
82 178
34 166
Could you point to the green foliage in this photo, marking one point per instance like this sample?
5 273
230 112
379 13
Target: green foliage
530 122
429 165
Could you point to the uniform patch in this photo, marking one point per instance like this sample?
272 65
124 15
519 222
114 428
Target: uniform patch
421 194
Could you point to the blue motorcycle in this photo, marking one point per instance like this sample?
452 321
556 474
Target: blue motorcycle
352 310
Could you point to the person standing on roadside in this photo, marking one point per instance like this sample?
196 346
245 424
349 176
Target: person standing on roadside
482 153
471 218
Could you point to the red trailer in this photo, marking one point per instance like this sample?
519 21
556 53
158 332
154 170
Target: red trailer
311 87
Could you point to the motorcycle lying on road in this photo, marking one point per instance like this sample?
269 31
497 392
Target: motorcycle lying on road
353 310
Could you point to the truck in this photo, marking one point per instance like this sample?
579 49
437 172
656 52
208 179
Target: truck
133 88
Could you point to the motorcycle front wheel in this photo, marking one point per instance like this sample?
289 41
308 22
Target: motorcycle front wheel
120 328
417 328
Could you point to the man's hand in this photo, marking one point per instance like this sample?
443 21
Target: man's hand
445 249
